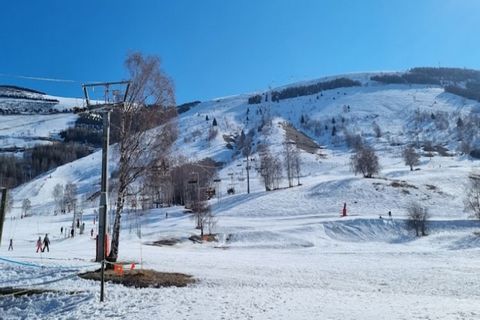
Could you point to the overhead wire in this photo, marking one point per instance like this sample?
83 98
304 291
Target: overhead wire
6 75
45 78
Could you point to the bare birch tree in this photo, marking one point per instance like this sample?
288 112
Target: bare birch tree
289 161
70 196
202 212
267 169
297 164
411 157
57 194
472 198
145 128
417 218
26 207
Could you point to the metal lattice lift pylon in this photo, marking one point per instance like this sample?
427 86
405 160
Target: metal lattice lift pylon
113 97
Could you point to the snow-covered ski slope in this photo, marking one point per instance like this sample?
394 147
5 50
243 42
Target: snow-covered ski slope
29 118
24 131
284 254
325 175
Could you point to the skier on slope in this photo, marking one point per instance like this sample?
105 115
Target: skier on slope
46 243
39 244
10 246
344 211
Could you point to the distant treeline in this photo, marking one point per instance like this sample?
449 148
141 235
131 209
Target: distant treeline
87 130
471 91
17 88
7 96
187 106
306 90
37 160
462 82
434 76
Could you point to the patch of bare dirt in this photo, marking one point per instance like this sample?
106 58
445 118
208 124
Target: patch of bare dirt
302 141
142 278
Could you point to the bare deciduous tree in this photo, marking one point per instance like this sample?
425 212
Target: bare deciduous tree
201 212
70 196
145 129
270 169
354 141
417 218
212 221
277 173
365 161
289 160
377 130
472 198
26 207
297 164
58 198
411 157
465 147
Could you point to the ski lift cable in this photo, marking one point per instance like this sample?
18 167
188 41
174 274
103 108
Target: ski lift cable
36 78
39 284
29 277
44 78
56 268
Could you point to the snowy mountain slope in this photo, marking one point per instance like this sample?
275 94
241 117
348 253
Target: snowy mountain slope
23 131
286 253
14 100
392 107
29 117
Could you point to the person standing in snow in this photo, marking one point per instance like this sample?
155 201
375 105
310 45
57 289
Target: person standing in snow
10 246
46 243
344 211
39 244
389 214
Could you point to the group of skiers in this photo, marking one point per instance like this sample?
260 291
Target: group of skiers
389 215
42 245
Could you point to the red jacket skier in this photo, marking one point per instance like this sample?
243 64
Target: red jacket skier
39 243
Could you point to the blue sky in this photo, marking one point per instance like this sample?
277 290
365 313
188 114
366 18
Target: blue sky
214 48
